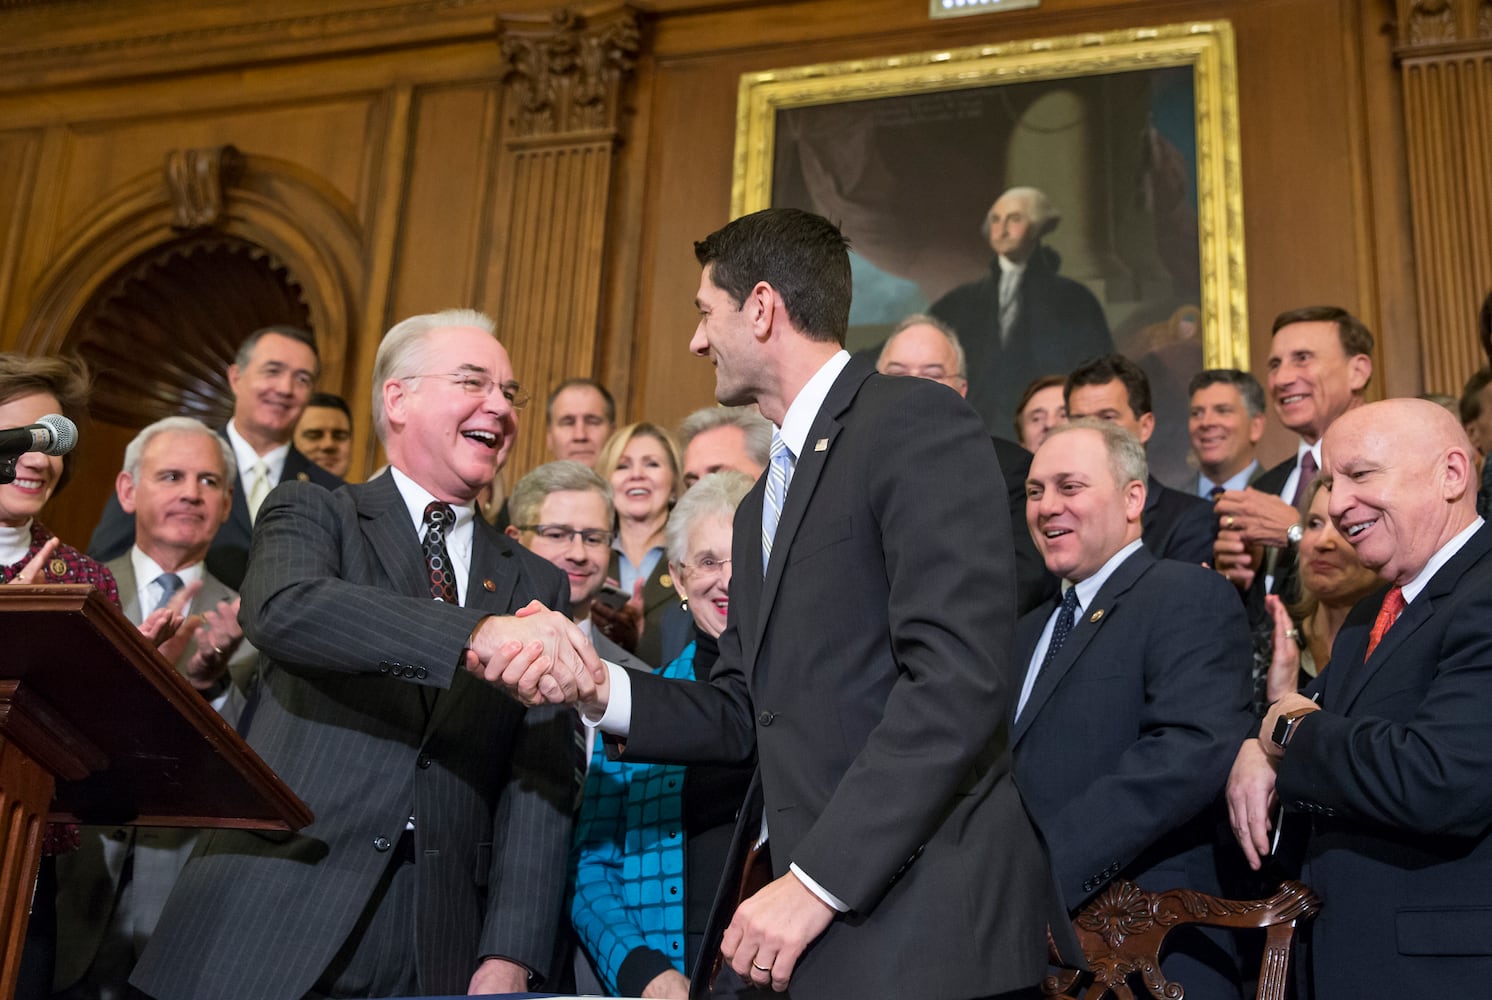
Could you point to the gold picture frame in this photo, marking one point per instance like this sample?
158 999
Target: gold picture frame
1100 77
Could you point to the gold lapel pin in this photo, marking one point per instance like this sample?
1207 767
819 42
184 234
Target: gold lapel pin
489 586
822 444
1096 615
665 580
304 477
58 568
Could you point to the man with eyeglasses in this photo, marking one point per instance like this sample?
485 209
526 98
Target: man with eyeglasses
436 862
271 377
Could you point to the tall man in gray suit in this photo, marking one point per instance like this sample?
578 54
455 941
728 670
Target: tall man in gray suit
436 862
866 658
177 481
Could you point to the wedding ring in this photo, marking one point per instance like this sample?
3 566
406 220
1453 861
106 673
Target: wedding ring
1292 633
1227 520
761 968
216 650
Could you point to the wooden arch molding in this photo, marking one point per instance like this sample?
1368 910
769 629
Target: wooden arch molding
295 217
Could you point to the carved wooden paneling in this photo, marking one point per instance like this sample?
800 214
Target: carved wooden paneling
1445 54
564 81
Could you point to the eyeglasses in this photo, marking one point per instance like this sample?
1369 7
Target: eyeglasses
707 566
560 534
936 373
482 384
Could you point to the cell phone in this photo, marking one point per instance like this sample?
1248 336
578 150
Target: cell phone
613 596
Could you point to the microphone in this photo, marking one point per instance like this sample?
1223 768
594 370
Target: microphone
51 435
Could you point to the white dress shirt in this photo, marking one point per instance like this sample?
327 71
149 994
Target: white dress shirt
458 539
247 458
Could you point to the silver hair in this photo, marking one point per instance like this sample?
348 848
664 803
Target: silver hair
923 319
401 348
1044 215
1126 455
757 428
718 493
528 497
135 450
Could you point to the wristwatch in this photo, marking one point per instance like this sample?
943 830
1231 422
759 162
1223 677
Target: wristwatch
1284 728
1294 534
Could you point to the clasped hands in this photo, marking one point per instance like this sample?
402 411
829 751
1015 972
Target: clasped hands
1248 520
540 657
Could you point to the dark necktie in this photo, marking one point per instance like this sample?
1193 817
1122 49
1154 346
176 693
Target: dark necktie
1307 473
1060 631
1215 492
439 519
170 584
1388 613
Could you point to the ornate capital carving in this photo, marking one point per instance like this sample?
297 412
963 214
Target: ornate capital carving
1442 26
565 76
198 181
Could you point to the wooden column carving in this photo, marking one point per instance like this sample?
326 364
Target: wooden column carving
1444 49
198 181
564 84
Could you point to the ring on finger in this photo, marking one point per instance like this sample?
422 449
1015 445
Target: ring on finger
1227 520
761 968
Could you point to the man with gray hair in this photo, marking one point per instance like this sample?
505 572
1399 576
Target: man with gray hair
1022 319
1225 422
1149 660
436 861
717 438
177 482
927 347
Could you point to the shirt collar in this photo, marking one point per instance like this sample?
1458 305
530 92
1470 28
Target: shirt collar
798 420
1010 266
1236 482
1314 449
247 457
1442 556
1088 589
147 569
416 498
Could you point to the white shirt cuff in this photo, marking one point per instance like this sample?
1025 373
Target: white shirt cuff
829 899
617 719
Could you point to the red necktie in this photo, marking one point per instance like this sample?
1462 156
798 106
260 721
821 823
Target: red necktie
1393 607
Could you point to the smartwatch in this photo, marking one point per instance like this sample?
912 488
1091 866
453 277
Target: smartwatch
1294 534
1284 728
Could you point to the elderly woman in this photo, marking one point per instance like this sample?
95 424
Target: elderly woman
643 890
641 462
1332 580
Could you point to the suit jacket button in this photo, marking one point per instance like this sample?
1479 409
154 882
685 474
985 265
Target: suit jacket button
383 667
423 761
381 844
765 718
421 673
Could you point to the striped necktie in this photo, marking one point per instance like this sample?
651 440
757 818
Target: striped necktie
779 474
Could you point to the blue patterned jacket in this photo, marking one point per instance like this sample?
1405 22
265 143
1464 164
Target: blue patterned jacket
629 856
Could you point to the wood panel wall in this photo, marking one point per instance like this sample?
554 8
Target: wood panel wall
401 120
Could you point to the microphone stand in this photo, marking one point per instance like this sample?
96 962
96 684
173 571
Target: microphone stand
8 468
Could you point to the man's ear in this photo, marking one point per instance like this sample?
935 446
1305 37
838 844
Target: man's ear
124 489
1147 426
1256 428
1359 371
761 306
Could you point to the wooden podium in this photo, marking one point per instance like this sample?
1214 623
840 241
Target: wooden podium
96 727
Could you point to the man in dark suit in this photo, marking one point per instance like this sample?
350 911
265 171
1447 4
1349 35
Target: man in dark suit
866 658
1115 389
1225 420
177 481
1023 319
1320 361
1135 693
272 378
927 347
1391 765
436 862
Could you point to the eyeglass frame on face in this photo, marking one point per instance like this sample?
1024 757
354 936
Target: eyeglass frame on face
926 371
478 382
599 537
706 571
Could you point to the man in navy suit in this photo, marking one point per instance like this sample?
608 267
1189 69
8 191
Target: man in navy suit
272 377
1115 389
1387 756
1135 692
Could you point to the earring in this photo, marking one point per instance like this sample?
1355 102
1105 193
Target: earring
684 602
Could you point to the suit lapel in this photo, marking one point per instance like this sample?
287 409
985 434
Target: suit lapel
1355 673
810 466
1098 613
129 588
391 535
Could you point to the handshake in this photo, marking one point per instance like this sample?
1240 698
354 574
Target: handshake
540 657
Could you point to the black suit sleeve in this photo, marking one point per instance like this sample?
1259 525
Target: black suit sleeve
114 533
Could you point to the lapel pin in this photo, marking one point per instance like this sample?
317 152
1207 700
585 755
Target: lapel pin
58 568
489 586
665 580
304 477
1096 615
822 444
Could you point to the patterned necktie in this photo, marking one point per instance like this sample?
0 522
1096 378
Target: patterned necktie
439 518
1307 473
1393 607
170 584
1010 282
258 489
779 473
1066 616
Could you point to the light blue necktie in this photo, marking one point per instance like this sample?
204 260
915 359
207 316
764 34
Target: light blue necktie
170 584
779 473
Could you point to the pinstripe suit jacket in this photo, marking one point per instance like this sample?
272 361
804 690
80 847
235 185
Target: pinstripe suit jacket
88 878
364 710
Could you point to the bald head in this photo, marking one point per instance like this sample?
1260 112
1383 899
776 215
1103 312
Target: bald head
923 346
1402 483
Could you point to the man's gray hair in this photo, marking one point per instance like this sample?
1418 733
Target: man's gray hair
528 497
923 319
401 349
719 493
1044 215
756 428
1126 454
182 425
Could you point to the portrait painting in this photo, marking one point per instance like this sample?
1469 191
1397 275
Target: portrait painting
1131 139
